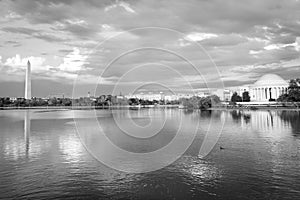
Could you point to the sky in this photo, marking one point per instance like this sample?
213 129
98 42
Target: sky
114 46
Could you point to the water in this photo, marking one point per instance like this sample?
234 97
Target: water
42 157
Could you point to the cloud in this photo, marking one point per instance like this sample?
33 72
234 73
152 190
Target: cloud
253 52
272 47
297 44
76 27
74 61
121 4
18 63
43 35
200 36
225 40
65 50
13 43
10 16
261 34
20 30
15 67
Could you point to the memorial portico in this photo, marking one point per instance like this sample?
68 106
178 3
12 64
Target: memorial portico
269 86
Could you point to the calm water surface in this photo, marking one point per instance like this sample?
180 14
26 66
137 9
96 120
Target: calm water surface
42 157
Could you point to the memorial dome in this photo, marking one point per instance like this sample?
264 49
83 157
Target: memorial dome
270 80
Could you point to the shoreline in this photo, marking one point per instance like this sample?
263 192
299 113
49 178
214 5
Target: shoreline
87 107
252 108
258 108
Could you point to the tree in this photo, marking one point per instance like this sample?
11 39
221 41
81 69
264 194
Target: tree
293 94
283 98
195 102
294 90
1 102
215 99
208 102
186 103
66 102
205 103
246 96
133 101
236 98
200 103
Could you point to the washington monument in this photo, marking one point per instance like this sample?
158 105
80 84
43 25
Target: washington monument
28 81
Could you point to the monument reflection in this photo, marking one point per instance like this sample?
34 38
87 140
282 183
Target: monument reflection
268 120
27 125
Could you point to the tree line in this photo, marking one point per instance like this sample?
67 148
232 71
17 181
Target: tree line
101 101
292 95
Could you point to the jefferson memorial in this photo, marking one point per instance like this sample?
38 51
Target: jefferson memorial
269 86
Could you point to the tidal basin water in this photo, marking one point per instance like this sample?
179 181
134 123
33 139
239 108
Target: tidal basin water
257 155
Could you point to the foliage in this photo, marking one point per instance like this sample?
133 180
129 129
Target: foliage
236 98
101 101
188 103
202 103
246 96
293 94
133 101
210 101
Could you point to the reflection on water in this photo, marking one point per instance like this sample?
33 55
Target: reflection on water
240 116
41 157
27 123
293 119
268 120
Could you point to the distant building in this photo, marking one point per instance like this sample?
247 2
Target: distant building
171 97
186 96
13 99
147 96
266 88
223 94
203 94
166 97
120 97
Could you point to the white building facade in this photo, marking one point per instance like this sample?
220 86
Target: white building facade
268 87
